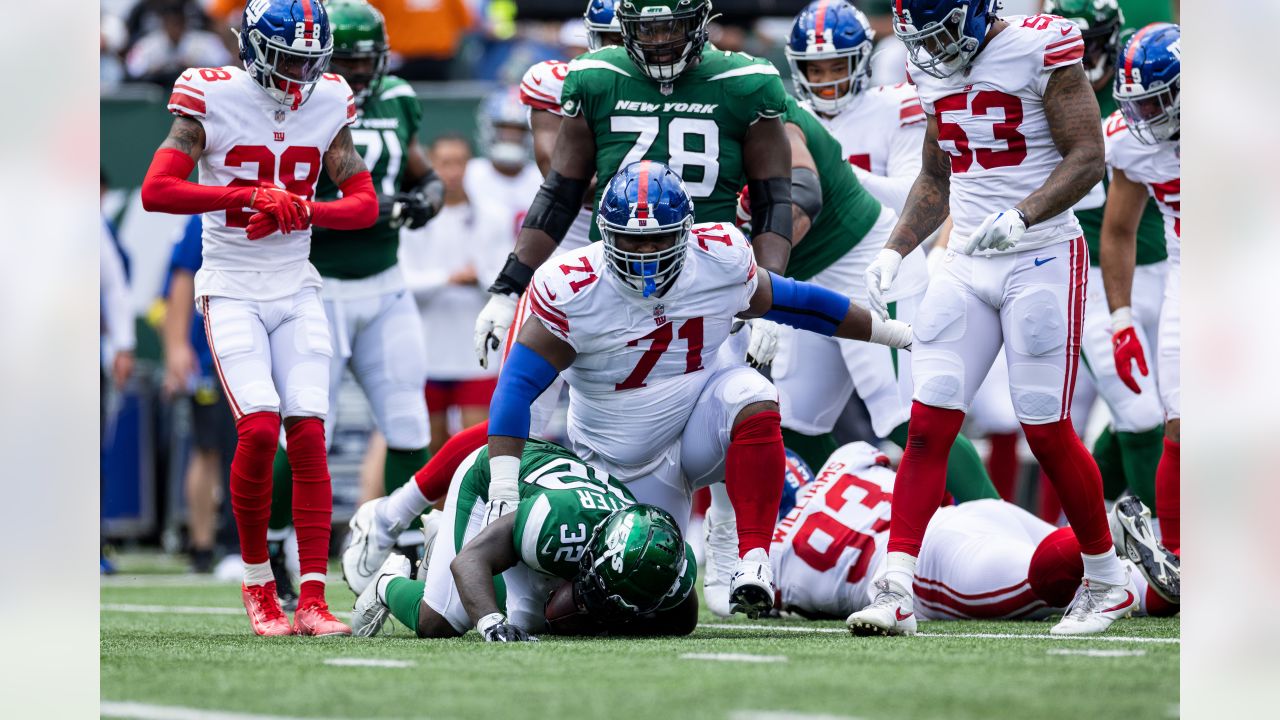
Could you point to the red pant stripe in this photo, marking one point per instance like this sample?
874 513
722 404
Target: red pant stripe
217 365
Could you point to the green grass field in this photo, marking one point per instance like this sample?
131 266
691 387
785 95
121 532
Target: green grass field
180 647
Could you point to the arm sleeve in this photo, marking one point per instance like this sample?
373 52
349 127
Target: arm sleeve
525 374
355 210
166 188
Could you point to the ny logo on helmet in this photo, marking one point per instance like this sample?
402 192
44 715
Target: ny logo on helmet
253 13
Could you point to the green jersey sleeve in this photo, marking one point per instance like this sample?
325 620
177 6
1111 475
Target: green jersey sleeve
553 526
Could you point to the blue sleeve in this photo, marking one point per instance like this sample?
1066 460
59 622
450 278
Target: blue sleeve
186 253
806 306
525 374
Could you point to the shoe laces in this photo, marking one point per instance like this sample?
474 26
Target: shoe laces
266 602
887 595
1088 599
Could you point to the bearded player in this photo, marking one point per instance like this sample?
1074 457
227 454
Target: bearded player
260 135
373 322
1144 155
980 560
1012 143
569 520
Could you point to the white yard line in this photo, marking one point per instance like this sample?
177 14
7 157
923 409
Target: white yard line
369 662
147 711
1097 652
784 715
734 657
997 636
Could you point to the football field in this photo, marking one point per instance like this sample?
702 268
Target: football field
178 646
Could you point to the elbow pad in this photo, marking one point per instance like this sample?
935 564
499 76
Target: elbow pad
513 279
806 306
556 205
806 192
770 206
525 374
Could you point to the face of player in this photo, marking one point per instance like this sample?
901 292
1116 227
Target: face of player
449 158
648 243
663 41
356 69
829 79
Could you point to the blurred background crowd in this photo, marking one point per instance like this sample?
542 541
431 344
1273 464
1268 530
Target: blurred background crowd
167 433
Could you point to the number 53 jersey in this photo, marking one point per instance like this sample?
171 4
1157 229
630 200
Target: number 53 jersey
250 139
992 122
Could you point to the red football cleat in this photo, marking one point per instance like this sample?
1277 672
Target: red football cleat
314 618
263 607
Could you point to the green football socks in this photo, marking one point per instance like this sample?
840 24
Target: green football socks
403 596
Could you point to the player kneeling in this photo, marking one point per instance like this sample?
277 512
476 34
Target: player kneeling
613 565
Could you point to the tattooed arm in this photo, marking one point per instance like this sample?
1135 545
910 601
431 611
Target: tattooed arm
186 135
1072 111
166 188
341 160
358 207
927 204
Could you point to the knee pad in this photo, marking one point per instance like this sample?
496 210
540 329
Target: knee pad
743 387
1038 324
1036 390
403 420
1056 568
938 376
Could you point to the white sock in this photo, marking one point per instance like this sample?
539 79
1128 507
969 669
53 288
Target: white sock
401 507
258 573
381 589
1104 567
900 568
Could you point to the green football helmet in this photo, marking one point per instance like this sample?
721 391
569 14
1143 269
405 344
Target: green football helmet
664 37
632 563
1100 22
360 47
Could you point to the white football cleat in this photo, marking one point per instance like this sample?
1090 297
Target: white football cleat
721 550
368 545
1096 606
1131 530
751 588
370 613
893 612
430 530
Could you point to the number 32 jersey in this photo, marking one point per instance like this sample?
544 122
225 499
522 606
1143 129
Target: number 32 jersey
251 139
992 122
641 362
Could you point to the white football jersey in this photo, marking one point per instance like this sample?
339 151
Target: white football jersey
540 89
991 120
1158 166
826 552
641 362
249 139
881 132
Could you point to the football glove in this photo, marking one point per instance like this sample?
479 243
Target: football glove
495 628
504 487
763 346
999 231
278 210
879 277
415 208
1126 348
492 324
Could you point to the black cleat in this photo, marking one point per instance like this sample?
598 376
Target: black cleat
284 584
1131 529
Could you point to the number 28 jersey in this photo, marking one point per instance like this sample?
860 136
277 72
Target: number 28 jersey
828 549
992 122
251 139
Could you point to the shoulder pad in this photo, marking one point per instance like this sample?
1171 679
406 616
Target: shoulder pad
1063 44
542 84
906 102
188 98
1114 123
561 281
394 87
726 246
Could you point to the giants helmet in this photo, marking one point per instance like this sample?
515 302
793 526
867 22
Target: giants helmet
646 201
1148 83
824 30
600 20
796 475
1100 22
285 46
502 108
942 36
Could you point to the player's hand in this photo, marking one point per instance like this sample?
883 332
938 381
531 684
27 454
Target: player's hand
276 203
492 324
893 333
416 207
179 366
495 509
879 277
743 213
763 346
495 628
999 231
1126 348
122 367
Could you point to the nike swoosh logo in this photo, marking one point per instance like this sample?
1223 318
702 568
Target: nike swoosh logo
550 295
1065 31
898 614
538 80
1040 262
1127 602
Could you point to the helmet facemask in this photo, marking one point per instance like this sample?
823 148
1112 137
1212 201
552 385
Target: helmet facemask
1100 52
604 563
831 96
1153 116
288 73
662 42
941 49
652 272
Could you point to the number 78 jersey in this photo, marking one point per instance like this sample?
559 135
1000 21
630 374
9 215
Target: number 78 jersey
992 122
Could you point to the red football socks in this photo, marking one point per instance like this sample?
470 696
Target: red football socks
1076 478
753 472
1049 508
1168 501
434 477
312 501
1002 463
257 435
922 475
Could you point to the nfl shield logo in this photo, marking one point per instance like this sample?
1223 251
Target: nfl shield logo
659 314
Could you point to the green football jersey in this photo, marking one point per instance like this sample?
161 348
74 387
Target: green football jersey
848 210
697 127
1151 242
381 134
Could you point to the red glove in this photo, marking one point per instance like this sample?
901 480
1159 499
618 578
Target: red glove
278 210
744 210
1126 349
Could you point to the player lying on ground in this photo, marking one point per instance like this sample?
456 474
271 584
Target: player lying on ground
666 423
980 560
615 566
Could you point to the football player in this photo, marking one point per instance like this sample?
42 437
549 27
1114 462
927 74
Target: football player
1143 146
261 134
635 324
1012 143
980 560
372 320
503 180
1131 447
630 569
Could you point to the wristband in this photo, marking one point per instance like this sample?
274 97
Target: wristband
893 333
513 279
504 478
1121 318
1023 217
488 621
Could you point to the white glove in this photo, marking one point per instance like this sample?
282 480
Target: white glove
764 342
879 276
999 231
492 324
894 333
504 487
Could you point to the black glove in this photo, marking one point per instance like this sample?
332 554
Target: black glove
506 632
415 208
